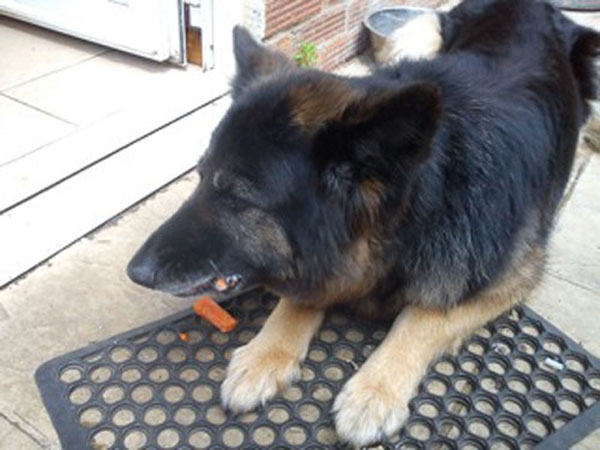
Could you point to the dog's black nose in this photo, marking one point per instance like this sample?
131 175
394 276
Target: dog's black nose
141 272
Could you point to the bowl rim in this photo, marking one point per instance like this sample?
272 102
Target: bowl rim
368 26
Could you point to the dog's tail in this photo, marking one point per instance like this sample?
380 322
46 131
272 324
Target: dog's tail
583 47
585 50
419 38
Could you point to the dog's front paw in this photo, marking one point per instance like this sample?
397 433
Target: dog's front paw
255 374
368 409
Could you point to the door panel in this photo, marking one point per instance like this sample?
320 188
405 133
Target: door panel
149 28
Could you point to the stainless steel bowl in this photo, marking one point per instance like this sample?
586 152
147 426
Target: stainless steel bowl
383 22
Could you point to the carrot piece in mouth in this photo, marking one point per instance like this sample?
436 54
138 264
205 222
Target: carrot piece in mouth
210 310
221 284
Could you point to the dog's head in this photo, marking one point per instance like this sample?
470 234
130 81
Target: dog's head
300 174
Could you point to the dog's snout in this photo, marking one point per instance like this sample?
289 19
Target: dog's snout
142 272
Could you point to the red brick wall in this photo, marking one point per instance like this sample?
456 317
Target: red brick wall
334 26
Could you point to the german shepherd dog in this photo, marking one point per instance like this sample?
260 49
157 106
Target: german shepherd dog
424 192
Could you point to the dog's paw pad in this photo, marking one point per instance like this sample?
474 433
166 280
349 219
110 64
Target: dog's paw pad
255 375
366 411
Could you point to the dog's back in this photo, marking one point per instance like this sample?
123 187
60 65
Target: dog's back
516 77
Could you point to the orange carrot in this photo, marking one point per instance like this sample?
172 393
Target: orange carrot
210 310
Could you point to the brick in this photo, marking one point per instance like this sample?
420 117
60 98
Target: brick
338 50
342 49
334 26
324 27
422 3
283 14
282 43
356 12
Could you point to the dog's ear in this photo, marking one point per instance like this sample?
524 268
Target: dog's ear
401 123
393 117
372 142
395 124
253 60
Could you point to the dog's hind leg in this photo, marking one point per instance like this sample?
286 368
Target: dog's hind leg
374 402
271 360
420 38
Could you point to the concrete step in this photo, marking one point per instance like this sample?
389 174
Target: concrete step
56 217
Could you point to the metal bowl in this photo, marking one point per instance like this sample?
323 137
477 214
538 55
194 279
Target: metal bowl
383 22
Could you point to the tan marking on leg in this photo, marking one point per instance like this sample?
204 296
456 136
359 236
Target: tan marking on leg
270 361
374 402
420 38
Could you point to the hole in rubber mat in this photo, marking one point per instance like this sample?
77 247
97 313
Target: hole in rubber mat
91 417
150 389
70 374
155 415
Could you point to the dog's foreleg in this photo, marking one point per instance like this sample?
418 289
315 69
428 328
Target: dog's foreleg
270 361
374 402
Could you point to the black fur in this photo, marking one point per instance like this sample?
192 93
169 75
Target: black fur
470 153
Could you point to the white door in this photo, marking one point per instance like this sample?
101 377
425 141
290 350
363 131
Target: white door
153 29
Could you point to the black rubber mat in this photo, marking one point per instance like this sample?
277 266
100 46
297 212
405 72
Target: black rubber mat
517 383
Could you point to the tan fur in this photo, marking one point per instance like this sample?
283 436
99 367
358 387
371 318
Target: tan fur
356 278
314 104
270 361
372 192
375 400
262 235
419 38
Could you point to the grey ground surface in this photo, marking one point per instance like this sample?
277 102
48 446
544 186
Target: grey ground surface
82 295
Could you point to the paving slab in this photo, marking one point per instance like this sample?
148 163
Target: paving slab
21 433
15 439
5 428
118 80
575 243
28 52
569 295
592 442
24 129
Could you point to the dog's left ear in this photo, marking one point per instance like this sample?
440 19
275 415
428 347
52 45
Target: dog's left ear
253 60
397 124
369 143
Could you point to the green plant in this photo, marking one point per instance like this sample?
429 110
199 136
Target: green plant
306 55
